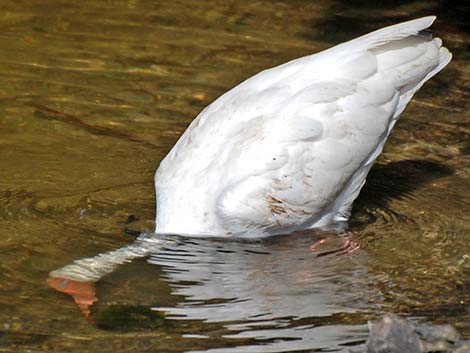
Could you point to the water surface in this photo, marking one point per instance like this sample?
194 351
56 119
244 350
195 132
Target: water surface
93 95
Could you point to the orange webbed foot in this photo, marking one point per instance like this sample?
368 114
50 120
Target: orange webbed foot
83 293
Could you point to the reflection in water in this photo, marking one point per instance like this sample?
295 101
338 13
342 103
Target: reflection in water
274 290
257 281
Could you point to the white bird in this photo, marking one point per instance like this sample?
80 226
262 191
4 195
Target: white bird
290 148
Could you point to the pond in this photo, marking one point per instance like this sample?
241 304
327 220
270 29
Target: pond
93 94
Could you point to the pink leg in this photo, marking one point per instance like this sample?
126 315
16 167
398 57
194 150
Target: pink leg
348 246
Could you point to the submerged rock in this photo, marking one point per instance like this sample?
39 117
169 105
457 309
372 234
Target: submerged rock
438 338
391 334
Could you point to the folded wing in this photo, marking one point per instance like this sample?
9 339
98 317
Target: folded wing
290 148
320 143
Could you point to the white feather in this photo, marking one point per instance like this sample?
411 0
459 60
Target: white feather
290 148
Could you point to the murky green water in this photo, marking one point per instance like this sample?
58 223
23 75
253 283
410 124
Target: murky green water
92 96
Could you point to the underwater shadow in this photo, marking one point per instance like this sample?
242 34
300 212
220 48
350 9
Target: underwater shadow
397 180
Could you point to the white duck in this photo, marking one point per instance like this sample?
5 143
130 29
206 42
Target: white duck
288 149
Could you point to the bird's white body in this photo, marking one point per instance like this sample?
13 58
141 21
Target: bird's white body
290 147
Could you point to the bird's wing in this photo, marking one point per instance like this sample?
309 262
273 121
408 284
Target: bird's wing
306 156
290 147
293 163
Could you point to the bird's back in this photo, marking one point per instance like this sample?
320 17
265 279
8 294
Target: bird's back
290 148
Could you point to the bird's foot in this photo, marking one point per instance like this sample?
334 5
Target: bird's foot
347 246
83 293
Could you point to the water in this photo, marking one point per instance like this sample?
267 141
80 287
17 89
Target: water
94 94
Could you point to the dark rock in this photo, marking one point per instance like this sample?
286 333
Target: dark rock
131 232
393 335
437 338
462 347
437 332
131 218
